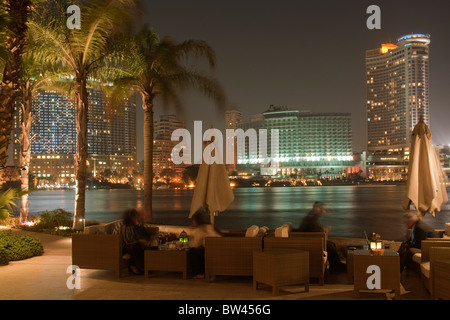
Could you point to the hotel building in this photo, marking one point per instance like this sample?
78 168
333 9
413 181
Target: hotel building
233 118
309 144
163 145
111 137
397 77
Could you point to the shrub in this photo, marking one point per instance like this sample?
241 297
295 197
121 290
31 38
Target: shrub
20 247
57 222
4 257
55 218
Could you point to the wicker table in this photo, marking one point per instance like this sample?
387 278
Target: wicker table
351 247
441 279
389 264
280 267
166 260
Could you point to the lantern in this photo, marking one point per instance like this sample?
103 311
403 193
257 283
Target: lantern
376 245
183 237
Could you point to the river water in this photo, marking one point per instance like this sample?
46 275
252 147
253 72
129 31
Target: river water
351 209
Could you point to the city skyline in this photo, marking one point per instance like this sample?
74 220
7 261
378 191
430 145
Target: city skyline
303 55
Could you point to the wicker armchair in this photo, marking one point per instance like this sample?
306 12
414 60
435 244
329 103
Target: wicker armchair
98 251
315 245
440 273
99 248
425 265
231 256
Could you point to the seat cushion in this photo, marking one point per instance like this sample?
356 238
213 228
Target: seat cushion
282 232
417 258
252 231
425 269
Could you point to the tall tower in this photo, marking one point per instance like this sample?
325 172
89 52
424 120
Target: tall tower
397 93
163 145
232 120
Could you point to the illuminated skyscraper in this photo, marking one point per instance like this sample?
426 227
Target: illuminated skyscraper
397 92
397 78
163 145
233 118
111 136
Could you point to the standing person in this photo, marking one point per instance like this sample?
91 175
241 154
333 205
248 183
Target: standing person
202 229
134 238
417 231
311 223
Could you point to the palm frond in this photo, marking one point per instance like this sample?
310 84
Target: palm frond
8 202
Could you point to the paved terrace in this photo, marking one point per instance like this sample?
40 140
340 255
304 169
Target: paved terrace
44 278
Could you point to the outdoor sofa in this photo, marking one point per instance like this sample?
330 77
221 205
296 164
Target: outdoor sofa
99 248
314 243
233 255
424 259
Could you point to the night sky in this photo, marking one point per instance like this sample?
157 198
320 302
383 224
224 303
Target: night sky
307 55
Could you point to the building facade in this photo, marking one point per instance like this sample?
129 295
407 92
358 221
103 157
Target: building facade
309 144
163 146
233 118
397 77
111 137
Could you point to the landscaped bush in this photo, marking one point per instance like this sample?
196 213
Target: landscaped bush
4 257
57 222
18 247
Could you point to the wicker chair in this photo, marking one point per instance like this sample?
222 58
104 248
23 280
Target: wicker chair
98 248
98 251
440 273
315 245
230 256
425 267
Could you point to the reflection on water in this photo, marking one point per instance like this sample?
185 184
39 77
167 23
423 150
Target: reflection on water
351 209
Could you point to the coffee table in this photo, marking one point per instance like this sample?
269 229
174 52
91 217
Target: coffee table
166 260
389 264
280 267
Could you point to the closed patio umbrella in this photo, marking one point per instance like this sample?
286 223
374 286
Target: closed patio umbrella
212 190
425 186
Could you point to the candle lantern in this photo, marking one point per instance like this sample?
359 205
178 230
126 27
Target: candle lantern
183 237
376 245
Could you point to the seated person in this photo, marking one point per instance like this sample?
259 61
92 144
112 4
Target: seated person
417 231
134 237
202 229
311 223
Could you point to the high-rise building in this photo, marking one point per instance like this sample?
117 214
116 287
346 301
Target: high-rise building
309 144
163 145
111 136
233 118
397 77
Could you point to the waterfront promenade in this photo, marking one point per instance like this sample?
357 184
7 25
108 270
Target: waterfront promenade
44 278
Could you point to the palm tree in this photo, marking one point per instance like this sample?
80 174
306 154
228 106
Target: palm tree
81 51
15 15
8 203
154 68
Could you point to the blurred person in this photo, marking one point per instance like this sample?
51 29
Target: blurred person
311 223
134 238
201 230
417 230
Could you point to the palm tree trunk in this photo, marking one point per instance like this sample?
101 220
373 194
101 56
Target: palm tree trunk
25 150
147 105
81 100
15 43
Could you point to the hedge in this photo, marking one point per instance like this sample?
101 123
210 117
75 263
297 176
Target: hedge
20 247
